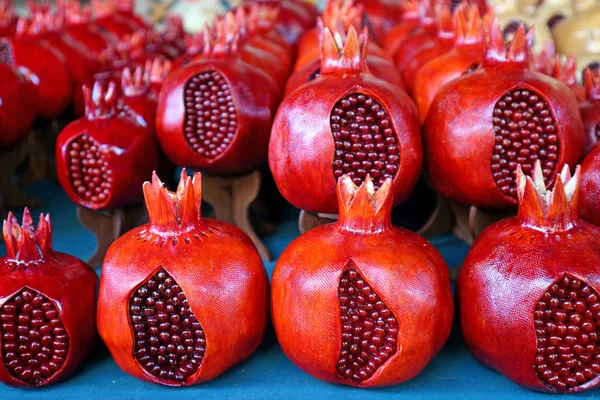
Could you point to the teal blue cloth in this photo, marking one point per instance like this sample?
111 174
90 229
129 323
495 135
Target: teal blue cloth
268 374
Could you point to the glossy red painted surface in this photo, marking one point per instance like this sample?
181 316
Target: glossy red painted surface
590 109
382 16
461 148
215 266
302 147
519 313
589 200
122 155
416 39
68 286
16 116
404 293
410 20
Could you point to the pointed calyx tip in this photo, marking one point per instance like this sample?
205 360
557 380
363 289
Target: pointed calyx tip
468 28
24 243
343 54
497 50
591 80
100 102
364 208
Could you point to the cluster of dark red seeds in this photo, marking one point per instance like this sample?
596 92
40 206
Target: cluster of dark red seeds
369 329
210 115
89 170
567 320
169 341
525 131
34 340
6 56
365 141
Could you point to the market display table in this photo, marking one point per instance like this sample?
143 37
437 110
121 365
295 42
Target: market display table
268 374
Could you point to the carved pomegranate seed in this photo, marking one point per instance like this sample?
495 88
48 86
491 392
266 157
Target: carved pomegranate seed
525 131
170 342
565 320
370 329
89 170
365 140
210 115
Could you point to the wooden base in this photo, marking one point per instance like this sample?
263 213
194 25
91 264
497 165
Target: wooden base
12 197
309 221
230 198
107 226
470 221
41 158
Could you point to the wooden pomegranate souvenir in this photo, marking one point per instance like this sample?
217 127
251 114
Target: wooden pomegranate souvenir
528 290
360 302
356 125
516 116
182 298
47 307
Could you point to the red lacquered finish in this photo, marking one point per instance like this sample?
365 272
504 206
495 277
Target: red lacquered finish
589 200
485 123
412 10
528 291
215 114
182 298
47 306
360 302
16 114
344 122
467 53
103 159
590 108
416 38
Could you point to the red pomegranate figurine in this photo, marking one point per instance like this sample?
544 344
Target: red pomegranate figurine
361 302
589 200
466 54
356 125
16 115
528 290
182 298
103 159
47 307
215 114
590 108
515 116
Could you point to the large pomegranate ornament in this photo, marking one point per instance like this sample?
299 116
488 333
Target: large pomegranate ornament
47 307
182 298
360 302
515 116
466 54
215 114
103 159
356 125
590 108
528 290
589 200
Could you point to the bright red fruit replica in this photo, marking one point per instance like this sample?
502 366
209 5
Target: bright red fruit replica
183 298
47 307
467 53
103 159
528 291
360 302
589 200
481 126
356 125
215 113
590 108
16 114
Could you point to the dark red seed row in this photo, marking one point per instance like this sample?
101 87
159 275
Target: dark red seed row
89 170
169 341
567 324
369 329
6 56
525 131
210 114
34 341
365 140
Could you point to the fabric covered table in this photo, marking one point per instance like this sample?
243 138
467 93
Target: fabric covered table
268 374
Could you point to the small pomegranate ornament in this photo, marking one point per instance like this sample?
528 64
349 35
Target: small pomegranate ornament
356 125
467 53
215 114
103 159
47 307
360 302
182 298
589 200
515 117
528 290
590 108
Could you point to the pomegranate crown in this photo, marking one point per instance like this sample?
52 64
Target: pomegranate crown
565 69
543 61
340 56
174 26
33 26
364 209
157 70
342 14
24 243
591 80
174 212
445 20
7 11
262 17
74 12
136 83
549 210
468 29
223 39
100 102
498 51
